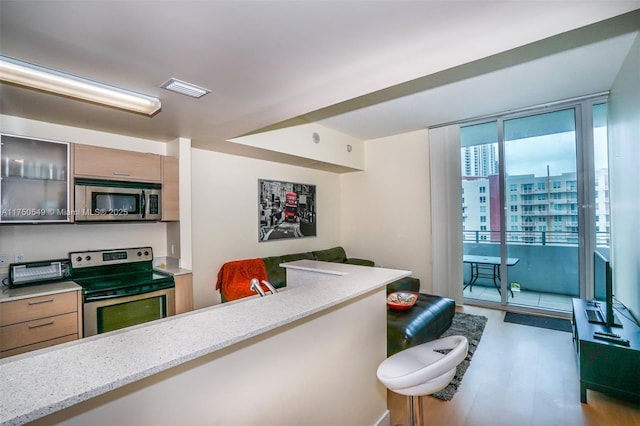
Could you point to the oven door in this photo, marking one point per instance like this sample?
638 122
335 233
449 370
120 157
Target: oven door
106 315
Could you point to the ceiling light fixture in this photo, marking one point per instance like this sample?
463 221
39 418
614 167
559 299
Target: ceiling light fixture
48 80
185 88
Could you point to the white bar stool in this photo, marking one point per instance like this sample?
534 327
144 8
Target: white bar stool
421 370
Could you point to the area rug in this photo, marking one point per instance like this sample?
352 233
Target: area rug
538 321
470 326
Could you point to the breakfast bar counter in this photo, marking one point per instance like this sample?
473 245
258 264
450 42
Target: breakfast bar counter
114 373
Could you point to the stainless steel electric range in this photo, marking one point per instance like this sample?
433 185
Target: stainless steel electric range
121 289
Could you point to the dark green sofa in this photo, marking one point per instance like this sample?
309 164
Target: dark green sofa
232 275
278 275
426 320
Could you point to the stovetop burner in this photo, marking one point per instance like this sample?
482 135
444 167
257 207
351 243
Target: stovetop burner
106 282
115 273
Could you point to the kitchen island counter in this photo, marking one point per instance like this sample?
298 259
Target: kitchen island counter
43 382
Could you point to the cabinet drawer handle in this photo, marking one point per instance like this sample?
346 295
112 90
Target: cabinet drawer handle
37 302
122 173
41 325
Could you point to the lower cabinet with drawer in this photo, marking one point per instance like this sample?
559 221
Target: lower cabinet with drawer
37 322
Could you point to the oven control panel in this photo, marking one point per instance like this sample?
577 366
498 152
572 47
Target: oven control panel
84 259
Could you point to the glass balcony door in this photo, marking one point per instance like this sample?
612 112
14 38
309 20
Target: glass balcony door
541 210
481 217
534 202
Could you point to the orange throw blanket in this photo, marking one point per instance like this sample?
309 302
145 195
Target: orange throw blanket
234 277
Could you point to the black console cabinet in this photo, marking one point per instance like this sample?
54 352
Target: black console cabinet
606 367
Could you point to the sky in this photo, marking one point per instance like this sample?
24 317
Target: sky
532 155
540 140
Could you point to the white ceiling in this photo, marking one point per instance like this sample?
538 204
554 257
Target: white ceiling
367 68
580 71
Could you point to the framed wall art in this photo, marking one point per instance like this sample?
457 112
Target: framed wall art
286 210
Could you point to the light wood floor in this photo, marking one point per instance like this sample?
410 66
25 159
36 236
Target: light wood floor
520 375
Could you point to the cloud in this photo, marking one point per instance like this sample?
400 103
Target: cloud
533 155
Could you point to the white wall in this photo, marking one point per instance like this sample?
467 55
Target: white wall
179 233
39 242
386 208
624 180
225 214
330 146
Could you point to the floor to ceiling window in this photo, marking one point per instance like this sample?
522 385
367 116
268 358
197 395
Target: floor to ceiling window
602 218
533 189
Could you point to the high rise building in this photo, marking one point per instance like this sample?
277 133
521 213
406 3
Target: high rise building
539 209
480 160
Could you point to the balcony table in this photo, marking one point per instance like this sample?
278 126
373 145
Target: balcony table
486 267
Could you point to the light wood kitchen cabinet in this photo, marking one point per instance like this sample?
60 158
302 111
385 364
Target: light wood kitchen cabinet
40 321
183 293
170 189
116 164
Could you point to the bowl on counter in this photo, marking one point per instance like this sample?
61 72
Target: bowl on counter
401 300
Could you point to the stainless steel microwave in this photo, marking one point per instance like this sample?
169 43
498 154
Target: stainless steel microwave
106 200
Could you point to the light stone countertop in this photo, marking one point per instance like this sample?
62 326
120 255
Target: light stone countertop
10 294
169 265
331 268
172 270
42 382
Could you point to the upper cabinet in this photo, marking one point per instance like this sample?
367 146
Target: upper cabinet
116 164
36 177
34 185
170 189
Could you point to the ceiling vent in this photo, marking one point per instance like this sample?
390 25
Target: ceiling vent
185 88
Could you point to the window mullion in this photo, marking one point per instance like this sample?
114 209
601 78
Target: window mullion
503 213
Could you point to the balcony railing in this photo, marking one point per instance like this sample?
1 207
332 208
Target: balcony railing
548 260
532 237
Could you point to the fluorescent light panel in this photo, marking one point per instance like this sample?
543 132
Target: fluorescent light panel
185 88
37 77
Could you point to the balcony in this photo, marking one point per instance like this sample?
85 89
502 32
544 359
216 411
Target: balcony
547 271
530 299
